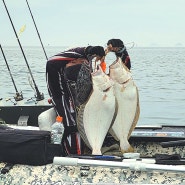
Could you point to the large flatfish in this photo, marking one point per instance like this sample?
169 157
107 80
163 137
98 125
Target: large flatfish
127 96
95 116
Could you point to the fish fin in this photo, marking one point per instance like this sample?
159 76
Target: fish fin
137 114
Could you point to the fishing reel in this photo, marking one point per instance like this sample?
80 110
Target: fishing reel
39 96
18 96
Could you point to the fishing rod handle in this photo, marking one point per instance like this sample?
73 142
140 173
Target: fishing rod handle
66 161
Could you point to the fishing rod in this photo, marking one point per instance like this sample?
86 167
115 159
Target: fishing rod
133 165
38 95
37 30
173 143
18 96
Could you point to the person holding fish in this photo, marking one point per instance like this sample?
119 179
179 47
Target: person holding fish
117 46
61 75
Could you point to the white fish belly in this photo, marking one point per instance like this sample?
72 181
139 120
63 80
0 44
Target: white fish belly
98 115
127 99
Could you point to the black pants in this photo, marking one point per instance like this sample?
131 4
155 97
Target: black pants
58 82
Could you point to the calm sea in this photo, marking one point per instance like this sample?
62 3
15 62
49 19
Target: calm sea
159 74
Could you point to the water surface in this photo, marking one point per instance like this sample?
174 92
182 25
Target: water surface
158 73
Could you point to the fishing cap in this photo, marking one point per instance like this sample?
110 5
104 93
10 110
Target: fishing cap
95 50
115 43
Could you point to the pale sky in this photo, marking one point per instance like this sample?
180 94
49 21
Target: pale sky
94 22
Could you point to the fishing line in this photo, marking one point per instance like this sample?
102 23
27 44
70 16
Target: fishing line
133 44
18 96
38 95
37 30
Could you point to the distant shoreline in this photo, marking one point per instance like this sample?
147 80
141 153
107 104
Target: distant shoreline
72 46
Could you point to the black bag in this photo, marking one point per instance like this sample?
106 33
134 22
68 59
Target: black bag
30 147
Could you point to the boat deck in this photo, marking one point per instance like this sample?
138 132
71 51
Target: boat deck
145 140
58 174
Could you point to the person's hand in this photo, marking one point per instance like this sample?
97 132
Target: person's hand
103 65
96 50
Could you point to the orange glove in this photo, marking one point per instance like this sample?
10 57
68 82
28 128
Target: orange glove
103 66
